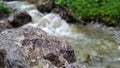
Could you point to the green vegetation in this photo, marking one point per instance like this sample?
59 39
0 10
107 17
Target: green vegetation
104 10
3 8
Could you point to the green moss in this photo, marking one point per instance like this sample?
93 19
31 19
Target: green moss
3 8
106 10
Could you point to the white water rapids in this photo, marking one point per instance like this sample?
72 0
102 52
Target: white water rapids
93 40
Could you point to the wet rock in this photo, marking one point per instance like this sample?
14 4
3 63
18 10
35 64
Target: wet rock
38 47
19 19
16 20
46 6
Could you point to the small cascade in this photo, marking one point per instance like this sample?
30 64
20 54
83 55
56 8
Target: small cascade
54 25
51 23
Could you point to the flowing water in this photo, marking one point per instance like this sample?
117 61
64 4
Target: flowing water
96 45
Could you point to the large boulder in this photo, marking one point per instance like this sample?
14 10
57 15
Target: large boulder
32 47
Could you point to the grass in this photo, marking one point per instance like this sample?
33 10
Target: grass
88 10
3 9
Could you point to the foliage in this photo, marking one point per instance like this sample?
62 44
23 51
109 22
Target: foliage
105 10
3 8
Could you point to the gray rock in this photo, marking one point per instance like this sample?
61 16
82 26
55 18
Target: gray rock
11 55
31 46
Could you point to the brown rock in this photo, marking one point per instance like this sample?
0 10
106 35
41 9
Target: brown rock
16 20
46 6
19 19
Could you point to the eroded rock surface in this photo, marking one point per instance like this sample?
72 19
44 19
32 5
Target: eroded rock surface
32 47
